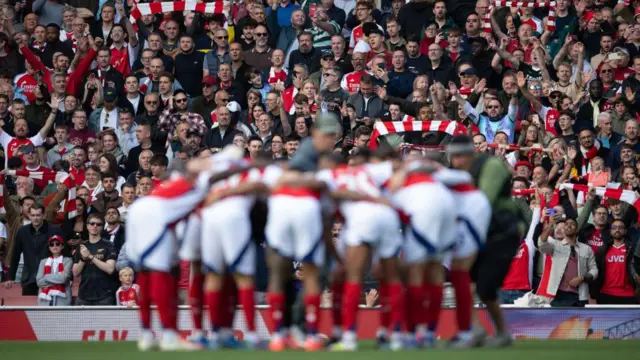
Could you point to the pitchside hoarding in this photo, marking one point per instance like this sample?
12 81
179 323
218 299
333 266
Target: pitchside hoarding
122 324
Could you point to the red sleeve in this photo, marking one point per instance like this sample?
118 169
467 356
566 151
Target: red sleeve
75 78
37 65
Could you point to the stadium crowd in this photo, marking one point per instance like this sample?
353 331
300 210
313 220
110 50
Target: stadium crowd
96 104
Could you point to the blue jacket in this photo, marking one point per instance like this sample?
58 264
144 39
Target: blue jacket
400 83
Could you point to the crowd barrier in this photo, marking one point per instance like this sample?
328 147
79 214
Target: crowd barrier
122 324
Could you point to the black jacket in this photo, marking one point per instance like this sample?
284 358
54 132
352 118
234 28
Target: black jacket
213 138
443 73
311 59
54 47
118 238
188 71
34 245
110 76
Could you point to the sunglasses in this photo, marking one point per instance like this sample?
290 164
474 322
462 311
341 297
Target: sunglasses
554 96
260 34
55 244
606 71
535 87
151 102
179 101
222 37
224 100
94 223
493 107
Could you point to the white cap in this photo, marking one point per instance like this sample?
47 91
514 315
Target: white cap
233 106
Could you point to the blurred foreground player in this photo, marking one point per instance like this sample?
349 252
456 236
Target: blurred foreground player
506 229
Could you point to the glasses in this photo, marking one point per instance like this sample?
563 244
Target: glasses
151 102
183 100
606 71
554 96
617 227
94 223
493 107
225 100
56 244
222 37
260 34
207 85
328 74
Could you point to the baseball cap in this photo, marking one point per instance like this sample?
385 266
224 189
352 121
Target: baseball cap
28 149
209 80
56 238
619 49
384 115
376 30
110 94
636 13
523 163
328 55
327 123
469 71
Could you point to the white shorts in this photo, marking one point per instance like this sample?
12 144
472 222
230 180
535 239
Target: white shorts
374 224
474 218
188 232
431 233
294 228
227 246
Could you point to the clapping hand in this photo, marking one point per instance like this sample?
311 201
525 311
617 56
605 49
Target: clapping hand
84 252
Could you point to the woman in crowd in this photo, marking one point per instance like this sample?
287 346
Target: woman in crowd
54 276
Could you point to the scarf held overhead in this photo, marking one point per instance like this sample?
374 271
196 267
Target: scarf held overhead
408 123
59 177
627 196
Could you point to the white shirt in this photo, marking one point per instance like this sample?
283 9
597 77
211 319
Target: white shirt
135 102
111 122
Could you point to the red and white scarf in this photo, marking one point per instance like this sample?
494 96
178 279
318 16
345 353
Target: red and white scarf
274 76
60 177
2 210
627 196
53 266
215 7
551 18
409 123
144 86
37 46
588 155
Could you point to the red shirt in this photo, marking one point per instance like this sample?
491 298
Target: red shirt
616 279
80 137
41 183
120 59
520 269
550 120
351 81
78 175
388 55
128 296
595 240
11 144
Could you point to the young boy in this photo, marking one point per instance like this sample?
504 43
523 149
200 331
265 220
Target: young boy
255 80
159 163
127 294
454 49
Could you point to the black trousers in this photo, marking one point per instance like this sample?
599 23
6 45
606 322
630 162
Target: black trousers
30 289
605 299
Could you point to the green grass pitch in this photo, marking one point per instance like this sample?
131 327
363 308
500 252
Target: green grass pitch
523 350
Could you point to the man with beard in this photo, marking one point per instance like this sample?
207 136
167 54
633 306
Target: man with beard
598 233
188 67
291 144
54 45
108 197
178 111
77 159
80 135
260 56
588 114
107 74
481 57
616 283
351 81
221 135
306 53
588 150
74 80
11 144
606 45
219 54
417 62
205 103
123 54
439 68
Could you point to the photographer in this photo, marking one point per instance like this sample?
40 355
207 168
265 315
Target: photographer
95 262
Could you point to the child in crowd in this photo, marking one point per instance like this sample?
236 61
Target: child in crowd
128 293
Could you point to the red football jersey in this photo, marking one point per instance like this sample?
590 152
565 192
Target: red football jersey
616 280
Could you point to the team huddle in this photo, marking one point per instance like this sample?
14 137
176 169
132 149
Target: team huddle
407 216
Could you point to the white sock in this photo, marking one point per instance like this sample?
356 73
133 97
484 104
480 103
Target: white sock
226 333
349 337
169 335
465 335
197 334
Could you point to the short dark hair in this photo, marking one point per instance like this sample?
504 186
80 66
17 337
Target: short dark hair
96 216
255 138
362 130
167 75
126 185
366 79
292 137
36 206
159 159
27 197
109 175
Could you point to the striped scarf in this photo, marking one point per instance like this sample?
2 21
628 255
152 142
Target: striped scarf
409 123
59 177
146 84
53 266
551 18
216 7
627 196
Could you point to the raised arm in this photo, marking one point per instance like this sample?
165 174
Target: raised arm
564 50
133 37
52 116
74 80
522 84
284 117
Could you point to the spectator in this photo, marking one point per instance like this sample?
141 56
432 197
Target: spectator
30 243
114 230
54 276
221 135
176 111
107 163
365 101
63 148
95 262
126 131
108 197
573 266
615 284
128 293
80 135
128 195
159 163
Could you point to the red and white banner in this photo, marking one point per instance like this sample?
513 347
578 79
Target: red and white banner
216 7
409 123
551 18
123 324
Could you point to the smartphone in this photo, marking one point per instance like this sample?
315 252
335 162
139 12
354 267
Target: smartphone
615 56
382 66
550 212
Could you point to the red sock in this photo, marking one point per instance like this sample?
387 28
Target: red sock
312 312
144 299
385 308
214 302
337 288
276 309
350 304
396 301
248 303
230 299
434 294
165 290
415 306
196 297
464 301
